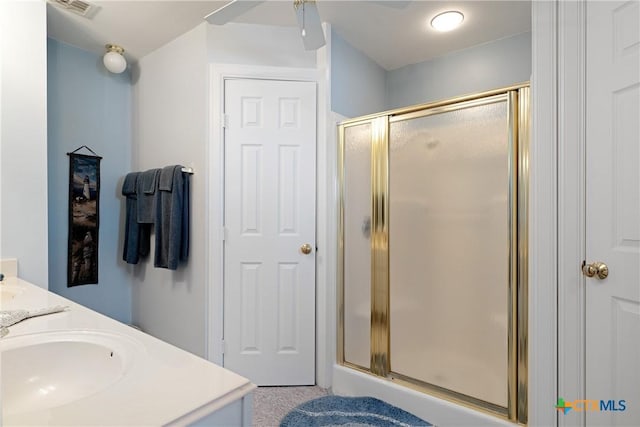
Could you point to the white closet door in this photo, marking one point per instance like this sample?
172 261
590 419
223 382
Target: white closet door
270 193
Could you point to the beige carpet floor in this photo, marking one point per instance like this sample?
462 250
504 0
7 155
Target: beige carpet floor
271 404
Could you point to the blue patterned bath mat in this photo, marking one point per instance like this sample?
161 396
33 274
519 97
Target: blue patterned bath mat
349 411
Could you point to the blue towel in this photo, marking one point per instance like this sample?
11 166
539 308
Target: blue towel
131 228
165 181
129 185
146 189
172 218
149 180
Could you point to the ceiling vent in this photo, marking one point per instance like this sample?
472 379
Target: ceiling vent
78 7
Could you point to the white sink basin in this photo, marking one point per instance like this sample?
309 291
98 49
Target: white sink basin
46 370
8 292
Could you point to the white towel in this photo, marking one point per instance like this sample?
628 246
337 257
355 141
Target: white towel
11 317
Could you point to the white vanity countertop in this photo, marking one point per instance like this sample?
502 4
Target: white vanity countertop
162 385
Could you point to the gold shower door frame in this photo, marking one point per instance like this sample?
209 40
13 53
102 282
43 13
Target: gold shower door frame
517 98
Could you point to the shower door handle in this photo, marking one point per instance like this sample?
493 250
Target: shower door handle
366 227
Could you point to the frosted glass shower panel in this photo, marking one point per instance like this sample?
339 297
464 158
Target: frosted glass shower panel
449 249
357 244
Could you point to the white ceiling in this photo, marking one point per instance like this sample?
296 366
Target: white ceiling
391 36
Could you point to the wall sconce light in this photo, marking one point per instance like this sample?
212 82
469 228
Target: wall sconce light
113 60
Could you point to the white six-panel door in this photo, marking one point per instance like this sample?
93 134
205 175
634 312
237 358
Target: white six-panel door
613 209
270 193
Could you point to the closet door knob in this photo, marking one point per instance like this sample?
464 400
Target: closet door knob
305 249
598 269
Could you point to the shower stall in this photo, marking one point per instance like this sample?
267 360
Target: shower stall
432 281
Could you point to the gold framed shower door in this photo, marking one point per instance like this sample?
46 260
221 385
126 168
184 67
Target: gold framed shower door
517 100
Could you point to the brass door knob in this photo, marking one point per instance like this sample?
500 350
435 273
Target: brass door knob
306 249
598 269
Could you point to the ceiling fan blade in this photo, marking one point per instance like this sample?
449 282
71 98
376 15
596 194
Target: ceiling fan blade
310 25
396 4
230 11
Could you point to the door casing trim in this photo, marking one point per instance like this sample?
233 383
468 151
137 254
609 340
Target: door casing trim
543 219
571 127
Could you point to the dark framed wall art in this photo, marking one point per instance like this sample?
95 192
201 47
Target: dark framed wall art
84 219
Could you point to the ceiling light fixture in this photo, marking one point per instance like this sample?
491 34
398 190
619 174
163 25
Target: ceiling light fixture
447 21
113 60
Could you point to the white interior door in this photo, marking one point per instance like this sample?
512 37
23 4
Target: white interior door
613 211
270 193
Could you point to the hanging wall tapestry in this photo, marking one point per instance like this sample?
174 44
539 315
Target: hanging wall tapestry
84 215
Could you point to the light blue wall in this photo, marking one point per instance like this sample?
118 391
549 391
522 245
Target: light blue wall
480 68
357 82
89 106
